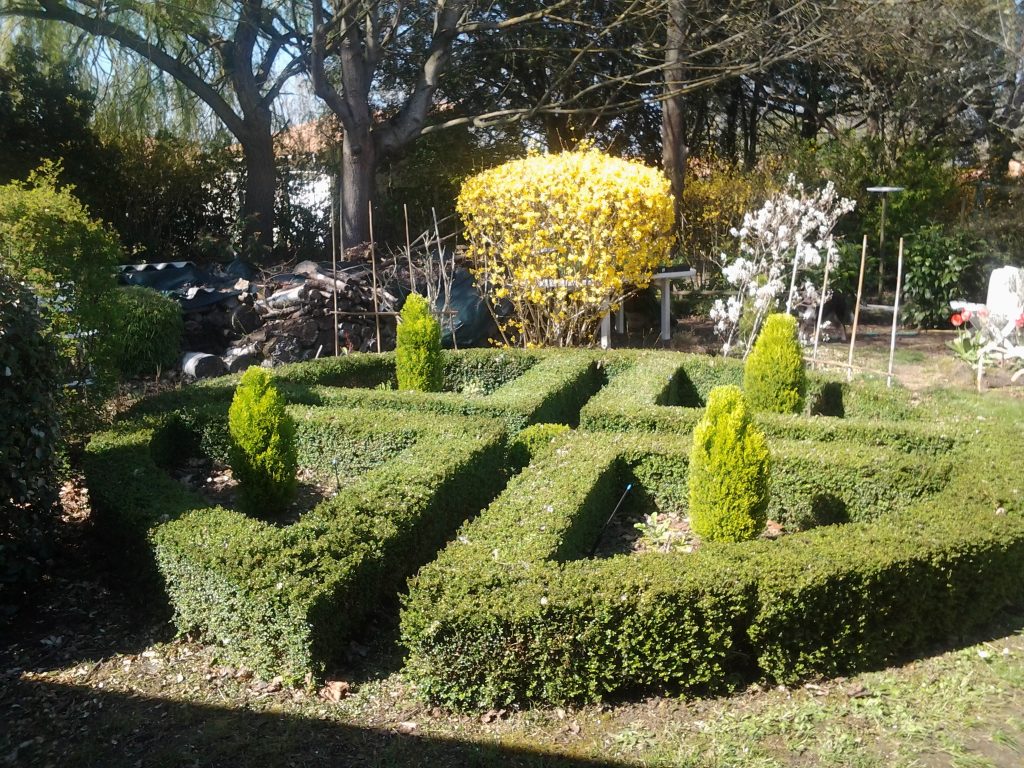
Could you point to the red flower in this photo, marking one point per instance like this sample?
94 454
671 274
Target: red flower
1020 321
957 320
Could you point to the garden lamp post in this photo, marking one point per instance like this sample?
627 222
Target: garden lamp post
884 192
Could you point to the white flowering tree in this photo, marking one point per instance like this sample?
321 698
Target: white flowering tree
779 245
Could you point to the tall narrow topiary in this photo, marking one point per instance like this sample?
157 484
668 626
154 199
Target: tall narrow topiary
729 471
418 361
774 379
263 454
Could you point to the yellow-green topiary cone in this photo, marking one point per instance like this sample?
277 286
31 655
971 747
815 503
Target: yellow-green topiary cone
263 453
729 471
774 378
418 362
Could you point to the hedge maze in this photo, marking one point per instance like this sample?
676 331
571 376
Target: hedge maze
894 540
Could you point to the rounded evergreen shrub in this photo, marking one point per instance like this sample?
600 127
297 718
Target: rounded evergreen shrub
774 378
263 453
29 381
729 471
418 360
148 328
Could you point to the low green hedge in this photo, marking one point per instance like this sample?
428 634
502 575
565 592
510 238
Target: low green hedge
665 392
515 610
418 477
518 387
282 599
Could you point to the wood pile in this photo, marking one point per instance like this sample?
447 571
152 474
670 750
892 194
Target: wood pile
290 318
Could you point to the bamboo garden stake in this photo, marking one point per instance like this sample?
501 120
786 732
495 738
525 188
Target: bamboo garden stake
856 306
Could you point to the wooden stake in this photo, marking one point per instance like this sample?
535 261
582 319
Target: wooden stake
334 276
856 307
373 265
895 312
444 280
821 312
408 248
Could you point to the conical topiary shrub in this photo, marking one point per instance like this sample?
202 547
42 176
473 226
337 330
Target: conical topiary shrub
729 471
418 360
774 379
263 454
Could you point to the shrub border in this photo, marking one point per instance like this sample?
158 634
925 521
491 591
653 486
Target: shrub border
513 611
637 398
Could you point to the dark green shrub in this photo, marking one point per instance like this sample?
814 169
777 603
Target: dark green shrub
29 380
773 375
148 331
729 471
263 457
940 267
418 360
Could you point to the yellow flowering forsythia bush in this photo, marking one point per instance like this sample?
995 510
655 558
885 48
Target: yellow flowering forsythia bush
563 237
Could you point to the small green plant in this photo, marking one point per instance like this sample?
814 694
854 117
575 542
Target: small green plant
263 453
729 471
773 377
418 361
148 331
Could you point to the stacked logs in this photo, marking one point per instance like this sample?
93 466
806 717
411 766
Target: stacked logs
292 319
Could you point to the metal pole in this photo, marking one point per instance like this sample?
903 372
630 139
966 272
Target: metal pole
856 307
895 312
373 266
666 309
881 247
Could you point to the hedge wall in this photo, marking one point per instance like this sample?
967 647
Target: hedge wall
281 599
665 392
515 610
518 387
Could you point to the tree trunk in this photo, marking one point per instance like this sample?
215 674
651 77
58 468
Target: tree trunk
673 111
810 123
753 120
358 168
257 211
732 111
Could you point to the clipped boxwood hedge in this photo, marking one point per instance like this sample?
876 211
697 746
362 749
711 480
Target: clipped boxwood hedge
515 610
282 599
666 392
